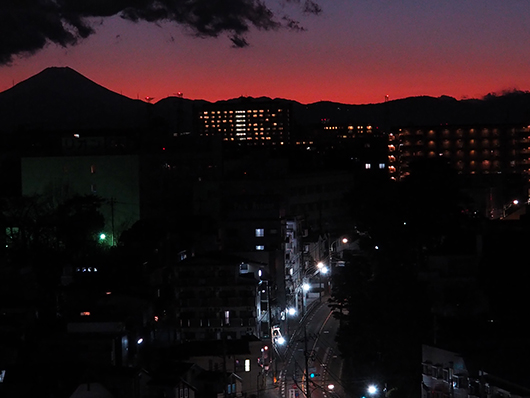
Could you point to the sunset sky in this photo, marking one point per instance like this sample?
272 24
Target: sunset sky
354 51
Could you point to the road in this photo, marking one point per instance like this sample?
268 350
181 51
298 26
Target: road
312 348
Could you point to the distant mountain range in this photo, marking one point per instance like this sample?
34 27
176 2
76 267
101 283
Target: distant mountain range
63 99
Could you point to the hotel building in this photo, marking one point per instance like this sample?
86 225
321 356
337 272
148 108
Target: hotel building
248 122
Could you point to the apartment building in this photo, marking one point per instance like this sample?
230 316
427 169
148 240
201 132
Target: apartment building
246 122
476 149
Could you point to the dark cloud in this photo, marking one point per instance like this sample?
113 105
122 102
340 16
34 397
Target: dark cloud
312 7
292 24
26 26
238 41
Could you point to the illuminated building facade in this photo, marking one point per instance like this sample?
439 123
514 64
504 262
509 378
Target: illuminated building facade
469 149
348 131
246 122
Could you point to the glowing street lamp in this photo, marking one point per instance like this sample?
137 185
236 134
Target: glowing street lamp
372 390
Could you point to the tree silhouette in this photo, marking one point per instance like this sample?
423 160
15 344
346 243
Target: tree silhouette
79 223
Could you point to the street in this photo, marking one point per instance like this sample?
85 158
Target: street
309 365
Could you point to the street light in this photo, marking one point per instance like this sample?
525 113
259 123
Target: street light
334 246
322 269
372 390
305 288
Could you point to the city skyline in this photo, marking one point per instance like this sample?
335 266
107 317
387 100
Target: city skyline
351 52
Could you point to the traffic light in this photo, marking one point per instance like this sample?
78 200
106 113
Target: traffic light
311 375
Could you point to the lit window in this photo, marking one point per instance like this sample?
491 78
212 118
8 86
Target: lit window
381 165
247 365
260 232
85 313
260 247
367 166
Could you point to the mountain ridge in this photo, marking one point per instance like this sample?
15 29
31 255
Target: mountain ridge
60 98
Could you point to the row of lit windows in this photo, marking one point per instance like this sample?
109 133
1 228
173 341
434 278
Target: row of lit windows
243 124
485 164
246 138
250 135
240 123
244 133
240 111
459 132
359 127
458 143
228 133
255 142
240 119
240 127
485 152
350 128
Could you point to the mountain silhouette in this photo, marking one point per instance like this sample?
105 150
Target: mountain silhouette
509 108
63 99
59 98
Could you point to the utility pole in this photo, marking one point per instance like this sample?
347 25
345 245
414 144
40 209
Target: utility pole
112 200
306 355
